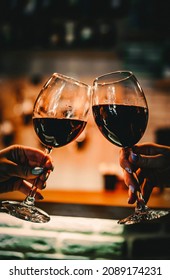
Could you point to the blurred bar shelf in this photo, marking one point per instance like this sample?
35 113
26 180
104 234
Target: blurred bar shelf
118 197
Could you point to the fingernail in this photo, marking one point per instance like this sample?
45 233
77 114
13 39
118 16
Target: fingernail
43 187
128 170
132 188
45 176
37 170
130 201
134 157
40 197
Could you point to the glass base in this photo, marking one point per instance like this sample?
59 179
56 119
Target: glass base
25 212
144 216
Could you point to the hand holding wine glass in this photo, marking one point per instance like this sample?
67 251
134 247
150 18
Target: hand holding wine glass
20 166
151 162
59 116
121 113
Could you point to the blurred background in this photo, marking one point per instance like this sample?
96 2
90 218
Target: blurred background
83 39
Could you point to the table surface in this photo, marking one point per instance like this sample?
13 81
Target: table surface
117 198
101 204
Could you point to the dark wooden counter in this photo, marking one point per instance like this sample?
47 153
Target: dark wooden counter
103 204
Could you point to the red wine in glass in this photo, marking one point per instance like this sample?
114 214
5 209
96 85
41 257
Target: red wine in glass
122 125
54 132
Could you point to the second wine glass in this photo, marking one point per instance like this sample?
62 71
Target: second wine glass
121 113
59 116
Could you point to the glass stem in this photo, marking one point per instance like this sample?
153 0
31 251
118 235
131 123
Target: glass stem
30 199
140 205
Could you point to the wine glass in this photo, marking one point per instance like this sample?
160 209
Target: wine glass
121 113
59 116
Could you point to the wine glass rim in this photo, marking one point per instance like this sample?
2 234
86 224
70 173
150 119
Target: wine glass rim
129 74
68 78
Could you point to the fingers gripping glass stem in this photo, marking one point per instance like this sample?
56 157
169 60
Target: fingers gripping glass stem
30 199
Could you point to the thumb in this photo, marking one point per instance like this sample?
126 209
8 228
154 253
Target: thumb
153 161
27 172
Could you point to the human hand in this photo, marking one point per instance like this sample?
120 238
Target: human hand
148 166
20 166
